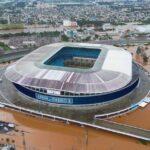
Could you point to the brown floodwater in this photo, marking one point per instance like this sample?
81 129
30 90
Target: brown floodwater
139 58
138 118
42 134
32 29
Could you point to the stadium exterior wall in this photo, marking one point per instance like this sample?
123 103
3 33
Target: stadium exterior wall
79 100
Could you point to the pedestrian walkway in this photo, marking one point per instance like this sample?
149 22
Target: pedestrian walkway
125 129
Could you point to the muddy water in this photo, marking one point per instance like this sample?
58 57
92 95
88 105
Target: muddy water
139 118
41 134
31 29
139 58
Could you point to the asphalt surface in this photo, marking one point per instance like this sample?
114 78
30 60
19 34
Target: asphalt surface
14 55
123 41
3 98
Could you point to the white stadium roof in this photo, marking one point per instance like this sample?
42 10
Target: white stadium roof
112 70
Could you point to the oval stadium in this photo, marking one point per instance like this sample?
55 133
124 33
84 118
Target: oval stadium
75 74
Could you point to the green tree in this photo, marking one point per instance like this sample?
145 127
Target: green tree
21 4
96 36
145 58
139 50
64 38
4 46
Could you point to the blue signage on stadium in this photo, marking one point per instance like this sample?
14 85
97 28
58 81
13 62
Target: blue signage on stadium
54 99
78 100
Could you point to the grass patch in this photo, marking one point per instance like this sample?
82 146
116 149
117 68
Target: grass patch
11 26
144 142
4 46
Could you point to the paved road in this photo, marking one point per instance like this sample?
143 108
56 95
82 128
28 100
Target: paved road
125 129
14 55
122 41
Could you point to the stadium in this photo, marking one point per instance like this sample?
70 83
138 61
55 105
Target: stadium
75 74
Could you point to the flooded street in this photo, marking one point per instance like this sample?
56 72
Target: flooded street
33 28
41 134
139 58
138 118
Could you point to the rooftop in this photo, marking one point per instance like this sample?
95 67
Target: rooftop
111 70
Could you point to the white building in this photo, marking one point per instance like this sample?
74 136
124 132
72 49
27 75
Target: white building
107 26
68 23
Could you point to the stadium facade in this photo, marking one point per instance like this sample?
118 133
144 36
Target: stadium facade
75 73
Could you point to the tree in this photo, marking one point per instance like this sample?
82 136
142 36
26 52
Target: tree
64 38
96 36
145 58
139 50
7 140
87 39
146 48
21 4
2 21
1 51
13 141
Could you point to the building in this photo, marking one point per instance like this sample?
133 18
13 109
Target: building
70 33
29 43
107 26
70 28
75 74
70 24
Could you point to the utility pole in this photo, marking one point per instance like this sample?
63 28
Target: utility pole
8 19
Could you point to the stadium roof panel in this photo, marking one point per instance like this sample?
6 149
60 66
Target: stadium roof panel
111 71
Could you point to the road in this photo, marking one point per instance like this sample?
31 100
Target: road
14 55
123 41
